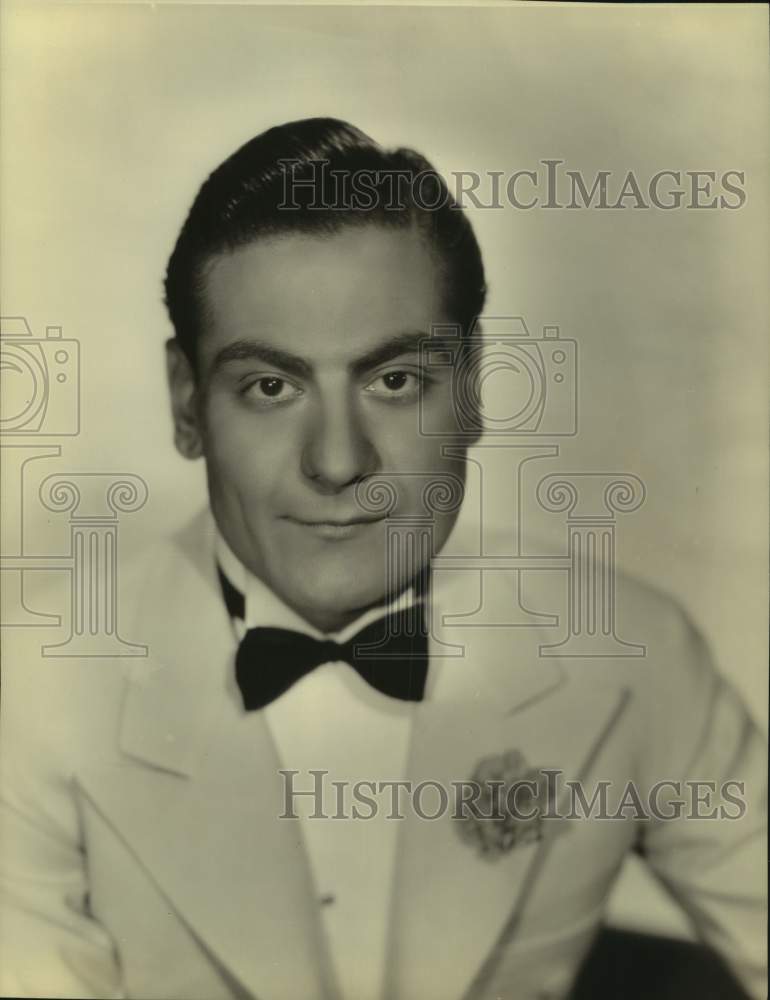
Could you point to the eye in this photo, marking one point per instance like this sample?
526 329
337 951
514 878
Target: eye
270 389
396 384
271 386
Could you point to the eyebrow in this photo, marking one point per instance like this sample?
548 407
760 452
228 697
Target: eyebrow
257 350
292 364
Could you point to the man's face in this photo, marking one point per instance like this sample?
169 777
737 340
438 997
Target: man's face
309 381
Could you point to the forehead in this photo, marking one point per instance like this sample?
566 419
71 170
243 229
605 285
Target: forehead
324 297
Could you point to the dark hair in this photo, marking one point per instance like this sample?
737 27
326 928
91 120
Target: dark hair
317 176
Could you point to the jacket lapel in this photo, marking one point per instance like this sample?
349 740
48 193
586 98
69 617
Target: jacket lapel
453 910
243 884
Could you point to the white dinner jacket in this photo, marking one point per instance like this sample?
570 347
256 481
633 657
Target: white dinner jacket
142 855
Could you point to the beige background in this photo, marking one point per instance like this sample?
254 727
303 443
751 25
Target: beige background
113 114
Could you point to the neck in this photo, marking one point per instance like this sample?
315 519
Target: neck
331 621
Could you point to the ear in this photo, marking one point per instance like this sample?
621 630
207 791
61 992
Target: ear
183 388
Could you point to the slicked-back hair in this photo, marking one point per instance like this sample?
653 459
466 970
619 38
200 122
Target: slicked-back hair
317 176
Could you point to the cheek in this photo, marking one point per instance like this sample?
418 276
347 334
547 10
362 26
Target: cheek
242 457
404 448
413 435
430 486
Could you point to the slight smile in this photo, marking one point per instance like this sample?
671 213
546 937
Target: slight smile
333 530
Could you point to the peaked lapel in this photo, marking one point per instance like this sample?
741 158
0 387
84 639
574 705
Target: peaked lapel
241 884
454 911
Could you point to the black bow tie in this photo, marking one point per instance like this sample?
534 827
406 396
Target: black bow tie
270 660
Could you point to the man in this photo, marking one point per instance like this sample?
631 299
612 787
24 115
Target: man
186 831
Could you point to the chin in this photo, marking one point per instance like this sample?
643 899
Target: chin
343 595
334 594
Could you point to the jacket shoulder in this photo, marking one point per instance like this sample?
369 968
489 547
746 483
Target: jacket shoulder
52 697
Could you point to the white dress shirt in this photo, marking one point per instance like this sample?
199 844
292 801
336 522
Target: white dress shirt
333 720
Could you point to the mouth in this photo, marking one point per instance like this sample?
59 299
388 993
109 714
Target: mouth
336 529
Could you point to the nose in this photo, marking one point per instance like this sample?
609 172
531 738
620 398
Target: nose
338 449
